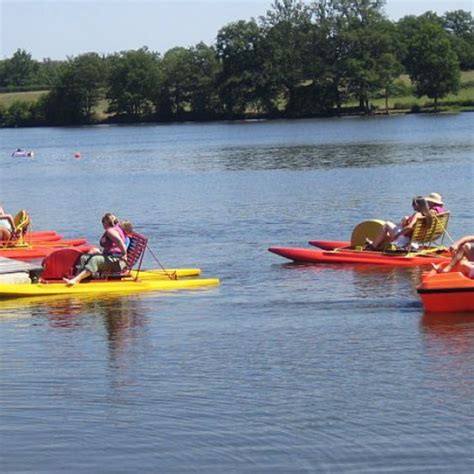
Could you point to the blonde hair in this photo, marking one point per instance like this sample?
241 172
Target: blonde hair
110 219
127 226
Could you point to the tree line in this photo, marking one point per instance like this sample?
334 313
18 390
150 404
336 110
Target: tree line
300 59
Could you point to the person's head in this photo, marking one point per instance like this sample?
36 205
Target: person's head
416 203
109 220
434 199
126 226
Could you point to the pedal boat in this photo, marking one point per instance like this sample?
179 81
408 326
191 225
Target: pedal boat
27 245
61 264
450 292
356 251
309 255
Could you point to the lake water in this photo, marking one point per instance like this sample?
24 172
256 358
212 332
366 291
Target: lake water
283 368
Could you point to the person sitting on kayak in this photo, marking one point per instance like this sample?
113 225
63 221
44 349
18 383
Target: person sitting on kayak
127 228
463 254
112 258
7 226
400 234
435 203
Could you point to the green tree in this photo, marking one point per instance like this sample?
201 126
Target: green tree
205 70
432 64
460 26
20 69
133 82
239 49
18 114
287 32
48 72
77 90
353 50
177 82
189 82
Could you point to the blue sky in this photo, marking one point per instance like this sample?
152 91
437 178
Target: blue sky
59 28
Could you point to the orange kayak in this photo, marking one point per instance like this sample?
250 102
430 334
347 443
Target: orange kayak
40 250
446 292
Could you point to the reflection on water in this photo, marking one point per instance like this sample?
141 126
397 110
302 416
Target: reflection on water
450 333
324 156
123 317
363 281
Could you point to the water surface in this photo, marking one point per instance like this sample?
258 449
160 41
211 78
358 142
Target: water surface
283 368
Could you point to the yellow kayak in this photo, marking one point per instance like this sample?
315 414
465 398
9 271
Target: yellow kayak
127 285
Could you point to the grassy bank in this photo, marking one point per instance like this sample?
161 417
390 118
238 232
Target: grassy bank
8 98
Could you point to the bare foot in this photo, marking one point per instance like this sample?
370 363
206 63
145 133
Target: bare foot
439 268
69 282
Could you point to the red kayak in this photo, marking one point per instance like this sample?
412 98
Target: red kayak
446 292
33 238
307 255
34 252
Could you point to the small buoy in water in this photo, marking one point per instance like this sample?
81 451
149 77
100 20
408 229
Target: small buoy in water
77 155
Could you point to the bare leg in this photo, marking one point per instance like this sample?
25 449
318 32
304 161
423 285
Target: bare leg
78 278
457 257
4 234
466 267
382 238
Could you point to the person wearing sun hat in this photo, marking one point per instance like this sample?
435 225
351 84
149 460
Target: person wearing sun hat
435 203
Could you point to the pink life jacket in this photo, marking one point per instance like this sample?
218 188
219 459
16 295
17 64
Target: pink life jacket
110 246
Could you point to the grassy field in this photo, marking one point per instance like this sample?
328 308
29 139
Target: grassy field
7 98
450 102
464 100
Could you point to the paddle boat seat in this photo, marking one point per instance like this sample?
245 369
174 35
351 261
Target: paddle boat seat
21 225
425 235
135 253
22 222
60 264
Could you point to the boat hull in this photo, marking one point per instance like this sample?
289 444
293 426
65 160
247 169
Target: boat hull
446 292
124 286
307 255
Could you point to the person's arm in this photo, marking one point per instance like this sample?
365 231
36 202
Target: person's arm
408 224
115 236
9 219
461 242
411 222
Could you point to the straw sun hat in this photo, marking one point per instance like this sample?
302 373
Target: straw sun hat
434 198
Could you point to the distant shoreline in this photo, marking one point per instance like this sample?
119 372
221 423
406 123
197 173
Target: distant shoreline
246 118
